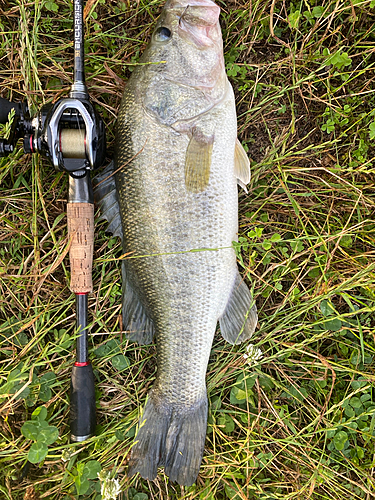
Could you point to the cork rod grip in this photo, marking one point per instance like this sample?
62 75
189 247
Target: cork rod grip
81 231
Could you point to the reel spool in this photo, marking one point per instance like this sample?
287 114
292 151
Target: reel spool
73 143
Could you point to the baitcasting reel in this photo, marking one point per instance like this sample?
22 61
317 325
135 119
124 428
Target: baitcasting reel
69 133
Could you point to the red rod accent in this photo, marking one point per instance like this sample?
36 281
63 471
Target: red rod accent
82 364
81 293
31 144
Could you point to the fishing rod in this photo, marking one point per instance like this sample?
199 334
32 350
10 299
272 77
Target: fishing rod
71 135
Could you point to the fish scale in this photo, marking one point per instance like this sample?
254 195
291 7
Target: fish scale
176 195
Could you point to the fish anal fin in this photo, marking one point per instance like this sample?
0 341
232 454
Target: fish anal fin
240 316
241 166
198 161
137 323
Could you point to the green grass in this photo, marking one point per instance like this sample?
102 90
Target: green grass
300 424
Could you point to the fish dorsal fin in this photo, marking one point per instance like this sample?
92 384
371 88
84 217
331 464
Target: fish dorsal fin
241 165
105 195
198 161
136 320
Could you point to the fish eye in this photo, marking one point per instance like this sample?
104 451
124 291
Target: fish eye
162 34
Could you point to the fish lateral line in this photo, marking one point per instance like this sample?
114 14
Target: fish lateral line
150 63
128 255
193 250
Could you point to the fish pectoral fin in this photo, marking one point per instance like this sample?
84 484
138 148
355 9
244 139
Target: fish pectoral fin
198 161
105 196
240 316
138 325
241 166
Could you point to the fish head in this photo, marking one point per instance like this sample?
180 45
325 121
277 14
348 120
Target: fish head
187 44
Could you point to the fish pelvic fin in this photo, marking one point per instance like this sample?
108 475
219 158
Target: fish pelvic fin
137 323
106 198
241 166
170 436
240 316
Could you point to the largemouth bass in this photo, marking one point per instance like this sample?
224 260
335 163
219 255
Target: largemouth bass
174 192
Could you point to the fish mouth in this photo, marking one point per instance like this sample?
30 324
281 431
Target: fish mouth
200 12
198 21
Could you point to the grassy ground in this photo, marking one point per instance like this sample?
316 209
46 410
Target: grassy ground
300 422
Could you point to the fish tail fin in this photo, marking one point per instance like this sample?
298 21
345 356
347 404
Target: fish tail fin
172 437
240 316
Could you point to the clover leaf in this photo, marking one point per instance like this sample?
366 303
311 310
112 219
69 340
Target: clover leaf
37 429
